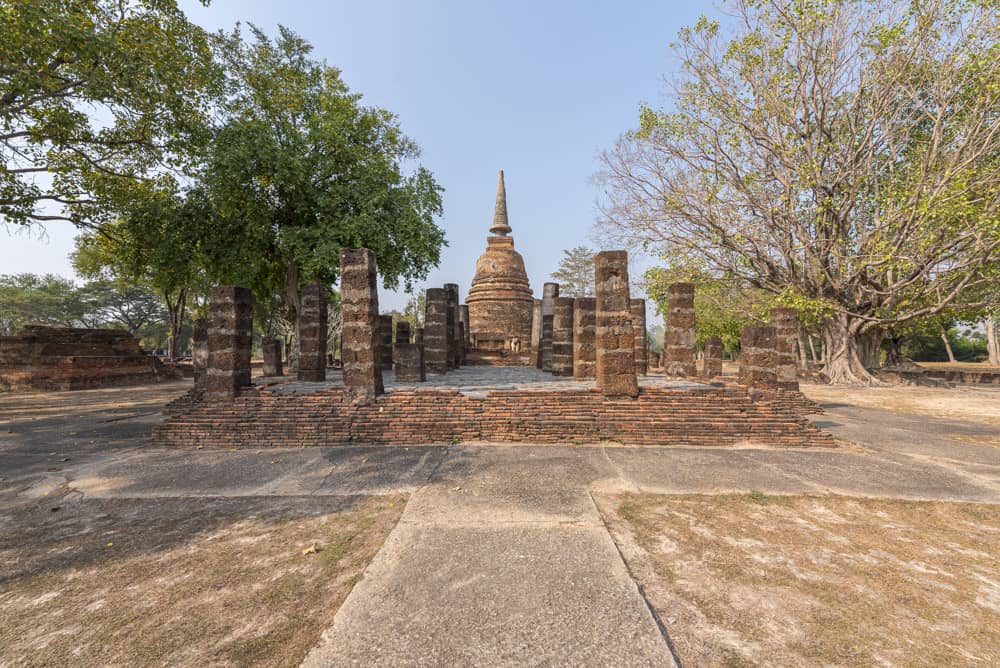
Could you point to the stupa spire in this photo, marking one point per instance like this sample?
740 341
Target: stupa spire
500 225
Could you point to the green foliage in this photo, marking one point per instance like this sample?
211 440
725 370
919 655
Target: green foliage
300 169
29 299
414 310
97 95
842 156
575 274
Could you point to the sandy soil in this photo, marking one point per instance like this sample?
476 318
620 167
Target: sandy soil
181 582
802 581
975 404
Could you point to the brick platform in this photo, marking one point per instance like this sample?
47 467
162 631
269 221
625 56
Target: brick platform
64 358
704 417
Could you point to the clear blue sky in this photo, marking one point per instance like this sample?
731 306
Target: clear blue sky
534 88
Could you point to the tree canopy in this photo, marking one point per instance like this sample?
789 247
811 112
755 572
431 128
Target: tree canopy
95 96
843 150
575 273
301 169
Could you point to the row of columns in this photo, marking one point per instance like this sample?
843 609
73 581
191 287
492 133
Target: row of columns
603 337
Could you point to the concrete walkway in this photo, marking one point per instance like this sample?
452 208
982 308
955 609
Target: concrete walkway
501 556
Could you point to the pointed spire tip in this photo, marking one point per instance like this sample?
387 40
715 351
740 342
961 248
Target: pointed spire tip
500 224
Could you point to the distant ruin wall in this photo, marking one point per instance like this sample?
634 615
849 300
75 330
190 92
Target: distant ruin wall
69 358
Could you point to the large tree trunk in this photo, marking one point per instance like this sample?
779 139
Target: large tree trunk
844 364
870 348
992 344
175 315
894 351
947 345
803 355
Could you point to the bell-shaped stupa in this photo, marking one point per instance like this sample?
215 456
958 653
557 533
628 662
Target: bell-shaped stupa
500 300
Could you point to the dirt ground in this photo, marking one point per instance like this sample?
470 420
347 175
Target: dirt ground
181 581
963 402
744 580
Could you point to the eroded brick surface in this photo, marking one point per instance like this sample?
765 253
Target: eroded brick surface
615 336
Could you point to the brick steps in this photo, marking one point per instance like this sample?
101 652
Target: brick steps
717 416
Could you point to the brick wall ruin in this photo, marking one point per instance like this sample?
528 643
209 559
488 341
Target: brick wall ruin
66 358
706 417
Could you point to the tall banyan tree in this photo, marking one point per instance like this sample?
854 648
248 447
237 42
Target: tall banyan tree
843 152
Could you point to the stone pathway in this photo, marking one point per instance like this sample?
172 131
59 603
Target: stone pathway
500 556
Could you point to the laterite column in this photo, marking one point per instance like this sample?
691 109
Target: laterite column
549 293
385 341
757 357
451 292
230 336
359 309
615 337
679 337
562 336
786 340
436 331
584 338
312 334
271 350
712 360
637 307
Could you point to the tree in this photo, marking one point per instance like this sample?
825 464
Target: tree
845 151
300 169
414 310
152 246
575 274
95 95
29 299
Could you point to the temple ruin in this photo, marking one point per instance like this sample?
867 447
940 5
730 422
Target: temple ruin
68 358
583 362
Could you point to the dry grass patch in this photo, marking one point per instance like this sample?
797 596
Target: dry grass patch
190 582
974 404
801 581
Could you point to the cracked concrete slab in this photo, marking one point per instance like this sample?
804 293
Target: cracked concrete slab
520 594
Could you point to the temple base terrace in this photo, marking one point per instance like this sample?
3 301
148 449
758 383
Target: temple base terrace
492 405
